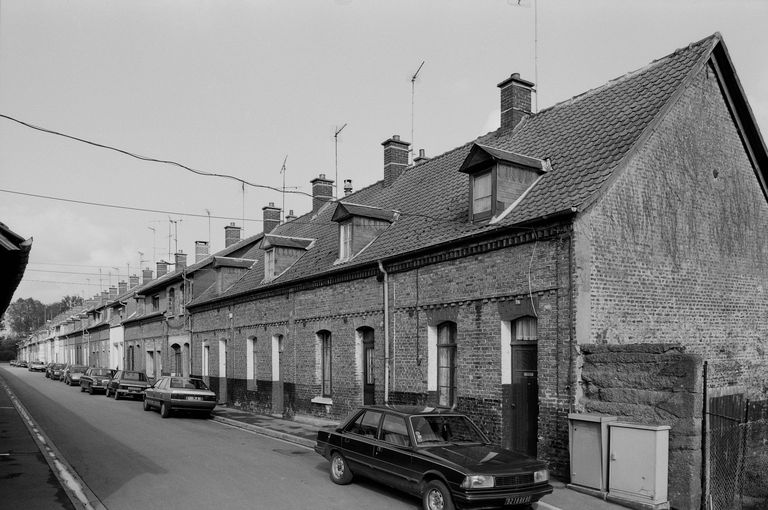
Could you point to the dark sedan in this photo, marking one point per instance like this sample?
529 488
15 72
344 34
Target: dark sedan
72 374
55 371
127 383
95 379
170 394
436 454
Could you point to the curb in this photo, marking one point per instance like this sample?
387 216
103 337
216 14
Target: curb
290 438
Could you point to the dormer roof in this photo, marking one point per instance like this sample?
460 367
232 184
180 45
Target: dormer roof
480 155
345 210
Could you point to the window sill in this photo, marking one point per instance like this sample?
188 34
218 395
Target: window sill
328 401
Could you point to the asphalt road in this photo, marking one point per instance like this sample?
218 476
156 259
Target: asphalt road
134 459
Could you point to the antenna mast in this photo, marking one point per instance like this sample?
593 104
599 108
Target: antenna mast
336 153
413 95
282 171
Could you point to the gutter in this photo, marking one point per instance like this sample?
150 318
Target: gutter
386 331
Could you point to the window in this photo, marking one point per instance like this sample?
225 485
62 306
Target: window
367 424
446 364
525 330
394 430
324 338
345 240
250 363
172 301
481 193
156 303
206 358
177 364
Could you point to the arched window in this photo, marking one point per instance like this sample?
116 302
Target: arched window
324 341
446 364
178 367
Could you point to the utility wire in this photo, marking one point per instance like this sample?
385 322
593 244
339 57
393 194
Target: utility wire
146 158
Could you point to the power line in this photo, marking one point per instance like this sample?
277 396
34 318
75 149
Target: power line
146 158
72 272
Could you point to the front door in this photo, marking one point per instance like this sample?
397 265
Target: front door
525 398
369 384
278 404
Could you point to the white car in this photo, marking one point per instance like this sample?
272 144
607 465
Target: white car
36 366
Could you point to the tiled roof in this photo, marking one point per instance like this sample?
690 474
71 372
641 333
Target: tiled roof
585 139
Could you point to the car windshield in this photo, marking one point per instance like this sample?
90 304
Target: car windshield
436 429
134 376
58 366
188 384
100 371
78 370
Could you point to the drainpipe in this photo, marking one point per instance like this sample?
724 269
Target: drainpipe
386 332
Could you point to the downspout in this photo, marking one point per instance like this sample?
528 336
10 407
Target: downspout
386 332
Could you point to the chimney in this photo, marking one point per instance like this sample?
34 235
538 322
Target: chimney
112 293
122 287
104 297
146 275
231 235
162 268
322 192
290 216
271 215
347 187
133 281
515 100
421 158
201 250
181 260
395 158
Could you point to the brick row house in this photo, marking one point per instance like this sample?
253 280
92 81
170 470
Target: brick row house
630 217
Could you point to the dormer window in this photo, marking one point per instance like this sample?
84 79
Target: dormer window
282 252
498 179
359 225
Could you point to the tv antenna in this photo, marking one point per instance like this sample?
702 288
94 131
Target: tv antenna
413 96
284 170
208 212
336 154
154 246
175 236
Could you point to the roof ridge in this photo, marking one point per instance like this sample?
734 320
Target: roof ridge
630 74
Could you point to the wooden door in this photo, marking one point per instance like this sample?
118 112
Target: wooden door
369 383
525 398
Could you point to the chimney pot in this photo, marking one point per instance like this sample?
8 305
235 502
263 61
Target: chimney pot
347 187
421 157
515 100
290 216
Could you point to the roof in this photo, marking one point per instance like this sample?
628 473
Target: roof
580 143
14 255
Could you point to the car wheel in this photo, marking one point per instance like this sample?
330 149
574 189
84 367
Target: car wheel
165 410
340 473
436 496
117 395
146 404
90 390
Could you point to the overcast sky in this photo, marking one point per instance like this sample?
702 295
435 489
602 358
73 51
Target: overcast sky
233 87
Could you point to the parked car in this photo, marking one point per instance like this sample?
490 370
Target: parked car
14 363
95 379
55 371
436 454
127 383
72 374
171 394
36 366
48 369
22 364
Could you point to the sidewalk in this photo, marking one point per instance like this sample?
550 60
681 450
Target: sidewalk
26 479
303 431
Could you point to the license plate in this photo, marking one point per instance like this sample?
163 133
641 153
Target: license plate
194 398
517 500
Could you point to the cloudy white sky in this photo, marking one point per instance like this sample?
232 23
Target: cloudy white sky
234 86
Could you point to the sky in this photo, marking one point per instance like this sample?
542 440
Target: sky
240 87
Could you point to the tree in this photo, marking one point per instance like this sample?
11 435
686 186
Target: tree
25 315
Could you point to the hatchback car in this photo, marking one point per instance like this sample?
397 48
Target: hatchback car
170 394
436 454
72 373
130 383
95 379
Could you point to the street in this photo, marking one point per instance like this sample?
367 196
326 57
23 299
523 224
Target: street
134 459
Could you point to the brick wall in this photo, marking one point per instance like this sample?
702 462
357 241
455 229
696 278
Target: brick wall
677 250
653 384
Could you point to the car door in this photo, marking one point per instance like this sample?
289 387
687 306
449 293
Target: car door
152 394
358 440
393 454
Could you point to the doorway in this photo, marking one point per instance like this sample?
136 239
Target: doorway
369 378
524 402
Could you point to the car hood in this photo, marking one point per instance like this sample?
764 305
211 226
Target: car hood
484 458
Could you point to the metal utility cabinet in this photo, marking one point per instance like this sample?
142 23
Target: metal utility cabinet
639 464
588 436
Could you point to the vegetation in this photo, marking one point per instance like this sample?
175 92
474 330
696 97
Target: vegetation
26 315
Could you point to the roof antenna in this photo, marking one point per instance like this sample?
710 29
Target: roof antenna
283 171
413 94
336 153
